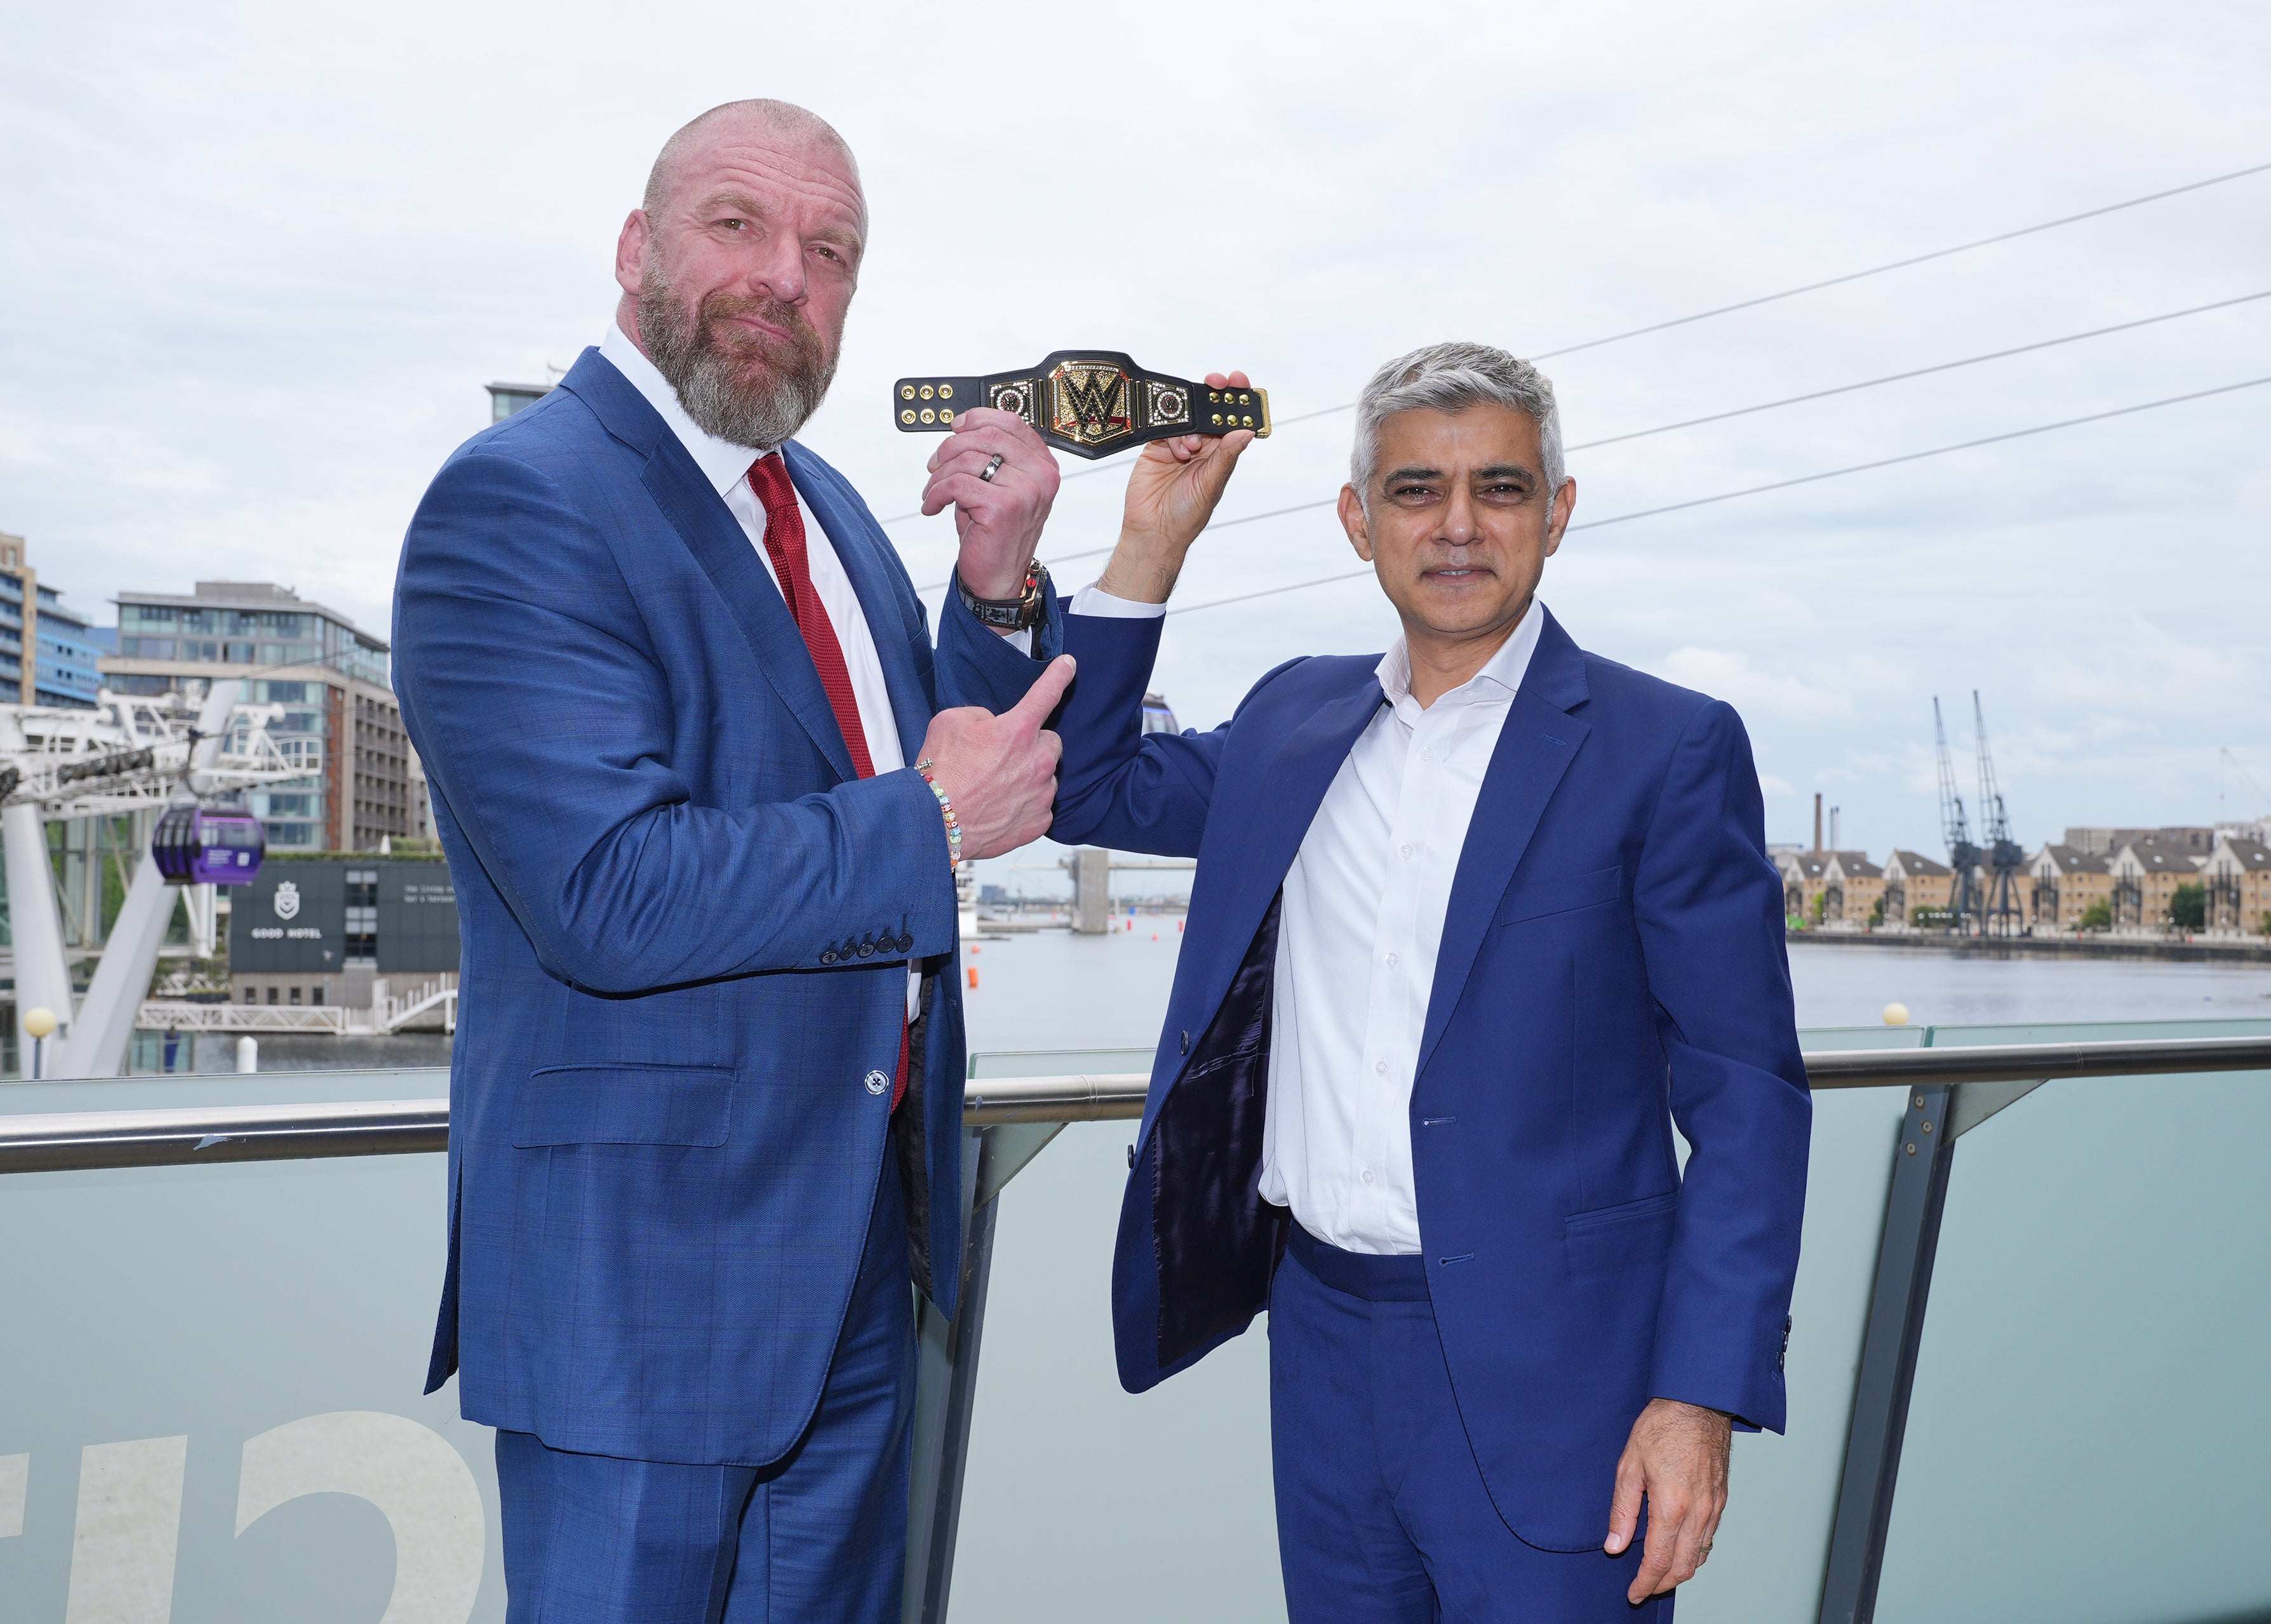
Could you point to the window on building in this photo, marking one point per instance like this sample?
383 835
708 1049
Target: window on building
362 914
316 995
251 995
295 994
272 994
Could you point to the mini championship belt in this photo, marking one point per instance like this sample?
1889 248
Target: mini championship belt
1089 402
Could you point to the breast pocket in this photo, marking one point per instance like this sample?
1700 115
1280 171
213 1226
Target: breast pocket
1562 894
625 1104
1608 1240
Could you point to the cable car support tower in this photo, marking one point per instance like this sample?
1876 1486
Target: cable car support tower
125 756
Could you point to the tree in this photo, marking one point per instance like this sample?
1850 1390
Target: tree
2097 916
1877 913
2188 905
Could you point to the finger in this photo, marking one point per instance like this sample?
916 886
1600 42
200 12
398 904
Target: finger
986 439
1006 422
1656 1552
975 460
1053 746
1041 698
1238 380
1690 1543
977 498
1624 1504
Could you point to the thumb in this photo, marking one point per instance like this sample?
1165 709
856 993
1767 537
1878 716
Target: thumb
1030 711
1624 1505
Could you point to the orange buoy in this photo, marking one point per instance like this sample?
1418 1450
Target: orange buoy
973 978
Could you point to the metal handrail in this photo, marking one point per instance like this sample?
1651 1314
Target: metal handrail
82 1140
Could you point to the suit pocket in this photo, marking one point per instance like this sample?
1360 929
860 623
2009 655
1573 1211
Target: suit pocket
625 1104
1618 1240
1562 894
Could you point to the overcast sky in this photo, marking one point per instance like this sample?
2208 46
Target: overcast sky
261 258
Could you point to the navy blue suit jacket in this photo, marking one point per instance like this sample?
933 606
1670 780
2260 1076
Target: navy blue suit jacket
686 927
1612 962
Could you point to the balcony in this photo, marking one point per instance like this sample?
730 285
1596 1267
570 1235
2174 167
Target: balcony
2024 1382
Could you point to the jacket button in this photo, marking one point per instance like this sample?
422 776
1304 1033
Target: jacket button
829 957
877 1082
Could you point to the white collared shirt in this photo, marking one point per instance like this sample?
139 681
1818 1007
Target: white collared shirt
726 466
1357 940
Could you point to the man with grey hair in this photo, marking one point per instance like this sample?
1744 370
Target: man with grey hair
704 779
1476 923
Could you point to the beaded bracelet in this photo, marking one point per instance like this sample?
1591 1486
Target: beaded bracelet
946 807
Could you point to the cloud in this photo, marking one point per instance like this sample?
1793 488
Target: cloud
1729 675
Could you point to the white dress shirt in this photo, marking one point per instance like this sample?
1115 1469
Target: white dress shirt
1357 940
726 466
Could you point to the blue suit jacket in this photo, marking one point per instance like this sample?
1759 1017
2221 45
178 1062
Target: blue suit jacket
686 929
1612 961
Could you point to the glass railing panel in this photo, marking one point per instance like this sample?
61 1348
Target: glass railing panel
161 1323
2087 1428
1766 1566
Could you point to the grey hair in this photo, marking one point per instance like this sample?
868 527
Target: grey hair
1451 377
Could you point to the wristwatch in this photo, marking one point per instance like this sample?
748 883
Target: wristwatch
1091 403
1029 608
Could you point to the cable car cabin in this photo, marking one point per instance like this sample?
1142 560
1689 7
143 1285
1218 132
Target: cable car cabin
195 845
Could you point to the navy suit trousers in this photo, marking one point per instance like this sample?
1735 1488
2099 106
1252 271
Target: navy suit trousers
1382 1514
819 1538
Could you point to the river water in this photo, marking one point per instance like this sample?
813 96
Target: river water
2072 1267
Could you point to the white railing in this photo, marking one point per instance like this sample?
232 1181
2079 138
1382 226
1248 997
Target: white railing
161 1014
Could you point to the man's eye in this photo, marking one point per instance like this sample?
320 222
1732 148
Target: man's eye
733 225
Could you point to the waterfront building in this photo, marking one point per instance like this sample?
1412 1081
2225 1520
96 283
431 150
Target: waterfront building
2194 838
1837 891
2067 882
2146 874
48 651
2237 879
1913 881
336 931
331 677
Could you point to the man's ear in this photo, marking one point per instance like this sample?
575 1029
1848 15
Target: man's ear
630 252
1352 520
1557 516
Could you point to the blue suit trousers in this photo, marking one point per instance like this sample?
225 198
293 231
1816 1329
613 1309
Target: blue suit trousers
1382 1514
818 1537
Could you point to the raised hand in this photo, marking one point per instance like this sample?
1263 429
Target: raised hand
1000 772
999 519
1172 493
1677 1459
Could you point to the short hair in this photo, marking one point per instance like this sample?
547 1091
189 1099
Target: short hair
783 117
1451 377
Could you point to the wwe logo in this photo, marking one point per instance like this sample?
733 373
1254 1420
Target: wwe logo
1094 400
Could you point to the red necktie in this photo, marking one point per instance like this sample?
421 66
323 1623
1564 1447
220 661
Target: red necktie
784 544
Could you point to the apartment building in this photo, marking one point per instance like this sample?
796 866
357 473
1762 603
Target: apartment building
48 652
330 677
2065 882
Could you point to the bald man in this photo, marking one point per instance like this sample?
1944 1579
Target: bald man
703 779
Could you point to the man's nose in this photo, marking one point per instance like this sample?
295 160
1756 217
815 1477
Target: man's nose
1458 528
778 270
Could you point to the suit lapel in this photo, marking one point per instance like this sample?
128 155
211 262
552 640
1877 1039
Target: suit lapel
720 546
1289 791
1535 748
868 560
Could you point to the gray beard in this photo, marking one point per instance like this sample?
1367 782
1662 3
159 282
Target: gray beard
759 412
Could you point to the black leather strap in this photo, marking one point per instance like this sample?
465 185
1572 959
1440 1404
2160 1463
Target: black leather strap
1091 403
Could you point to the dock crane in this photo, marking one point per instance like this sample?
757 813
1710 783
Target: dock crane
2001 916
1963 856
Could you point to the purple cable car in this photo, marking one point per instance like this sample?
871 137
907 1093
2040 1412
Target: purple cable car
198 845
